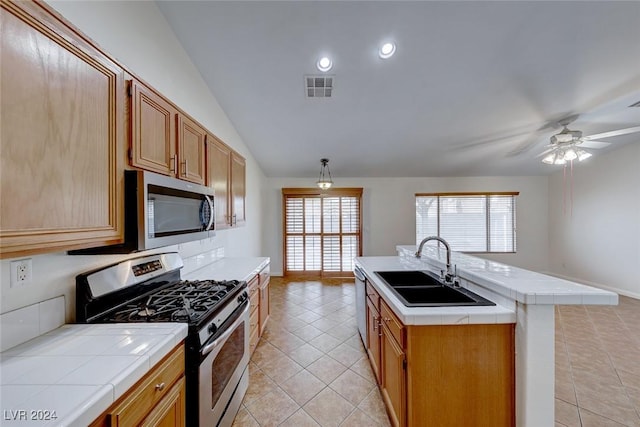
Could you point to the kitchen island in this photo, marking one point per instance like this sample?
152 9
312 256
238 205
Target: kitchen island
524 299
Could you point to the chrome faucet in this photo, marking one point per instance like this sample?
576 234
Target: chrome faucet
449 277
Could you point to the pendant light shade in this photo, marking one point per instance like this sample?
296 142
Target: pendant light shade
561 155
324 181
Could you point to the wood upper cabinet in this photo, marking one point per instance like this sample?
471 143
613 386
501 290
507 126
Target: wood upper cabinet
218 173
238 189
62 125
226 172
153 130
164 140
191 151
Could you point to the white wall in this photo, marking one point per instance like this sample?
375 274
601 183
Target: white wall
389 213
600 243
137 35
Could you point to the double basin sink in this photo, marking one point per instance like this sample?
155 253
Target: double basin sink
425 289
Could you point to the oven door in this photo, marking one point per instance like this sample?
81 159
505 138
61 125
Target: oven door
224 361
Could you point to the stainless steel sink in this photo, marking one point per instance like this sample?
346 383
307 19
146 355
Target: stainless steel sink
424 289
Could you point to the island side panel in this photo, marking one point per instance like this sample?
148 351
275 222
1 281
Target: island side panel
461 375
535 365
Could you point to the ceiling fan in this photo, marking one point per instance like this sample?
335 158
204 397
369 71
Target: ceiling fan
569 145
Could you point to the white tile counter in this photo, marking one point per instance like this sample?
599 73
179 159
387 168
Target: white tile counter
229 269
77 371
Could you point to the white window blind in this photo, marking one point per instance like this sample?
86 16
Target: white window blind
322 231
470 222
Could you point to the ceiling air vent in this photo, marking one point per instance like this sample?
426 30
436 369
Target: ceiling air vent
637 104
318 86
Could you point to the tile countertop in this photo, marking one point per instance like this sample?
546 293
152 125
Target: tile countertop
78 371
229 269
523 286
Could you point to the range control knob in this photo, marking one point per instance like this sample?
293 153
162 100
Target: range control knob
242 297
212 328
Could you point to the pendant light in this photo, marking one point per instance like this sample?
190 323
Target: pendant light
324 181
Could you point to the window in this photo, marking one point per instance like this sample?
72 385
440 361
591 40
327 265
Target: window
322 230
469 222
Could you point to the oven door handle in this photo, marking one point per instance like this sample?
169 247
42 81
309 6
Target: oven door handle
209 347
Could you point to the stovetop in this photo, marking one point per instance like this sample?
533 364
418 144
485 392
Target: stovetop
184 301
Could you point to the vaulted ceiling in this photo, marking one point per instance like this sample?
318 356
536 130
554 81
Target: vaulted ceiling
474 88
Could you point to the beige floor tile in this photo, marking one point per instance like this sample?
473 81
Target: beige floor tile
308 332
328 408
359 419
355 342
324 324
259 385
244 419
346 354
302 387
326 369
273 408
309 316
363 368
265 352
373 406
325 342
589 419
342 331
567 414
281 369
305 355
286 342
352 387
610 402
300 419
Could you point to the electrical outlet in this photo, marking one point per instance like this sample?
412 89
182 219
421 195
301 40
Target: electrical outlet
21 272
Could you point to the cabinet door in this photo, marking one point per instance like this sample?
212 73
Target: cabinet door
238 189
393 384
191 140
62 132
170 411
373 339
264 304
153 131
218 172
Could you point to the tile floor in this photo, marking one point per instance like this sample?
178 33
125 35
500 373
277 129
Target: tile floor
310 368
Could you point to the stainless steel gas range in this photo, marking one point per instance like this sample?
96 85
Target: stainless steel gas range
149 289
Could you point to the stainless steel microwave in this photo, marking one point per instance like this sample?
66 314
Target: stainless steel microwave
162 211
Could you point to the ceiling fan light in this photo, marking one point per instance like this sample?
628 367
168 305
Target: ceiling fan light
570 154
582 154
549 158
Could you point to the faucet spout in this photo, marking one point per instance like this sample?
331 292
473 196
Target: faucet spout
446 245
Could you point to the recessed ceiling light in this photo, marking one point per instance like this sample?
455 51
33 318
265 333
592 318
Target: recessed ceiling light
324 64
387 50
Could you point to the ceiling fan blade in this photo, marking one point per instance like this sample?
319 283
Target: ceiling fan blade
594 144
545 152
613 133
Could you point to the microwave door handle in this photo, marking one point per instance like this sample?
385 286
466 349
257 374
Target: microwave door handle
209 347
213 214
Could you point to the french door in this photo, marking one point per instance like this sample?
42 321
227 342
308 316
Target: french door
322 231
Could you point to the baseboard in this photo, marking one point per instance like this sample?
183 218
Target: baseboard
624 292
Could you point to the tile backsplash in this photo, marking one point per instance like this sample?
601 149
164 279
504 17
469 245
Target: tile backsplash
28 322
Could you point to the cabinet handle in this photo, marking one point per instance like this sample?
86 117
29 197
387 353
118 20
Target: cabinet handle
185 167
235 220
160 387
174 165
386 319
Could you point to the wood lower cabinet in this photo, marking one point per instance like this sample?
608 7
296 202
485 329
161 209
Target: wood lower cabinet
62 124
158 399
258 290
441 375
226 174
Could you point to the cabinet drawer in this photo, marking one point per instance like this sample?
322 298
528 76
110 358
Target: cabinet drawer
147 393
254 320
373 295
394 325
252 285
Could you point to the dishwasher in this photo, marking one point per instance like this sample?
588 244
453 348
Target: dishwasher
361 303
